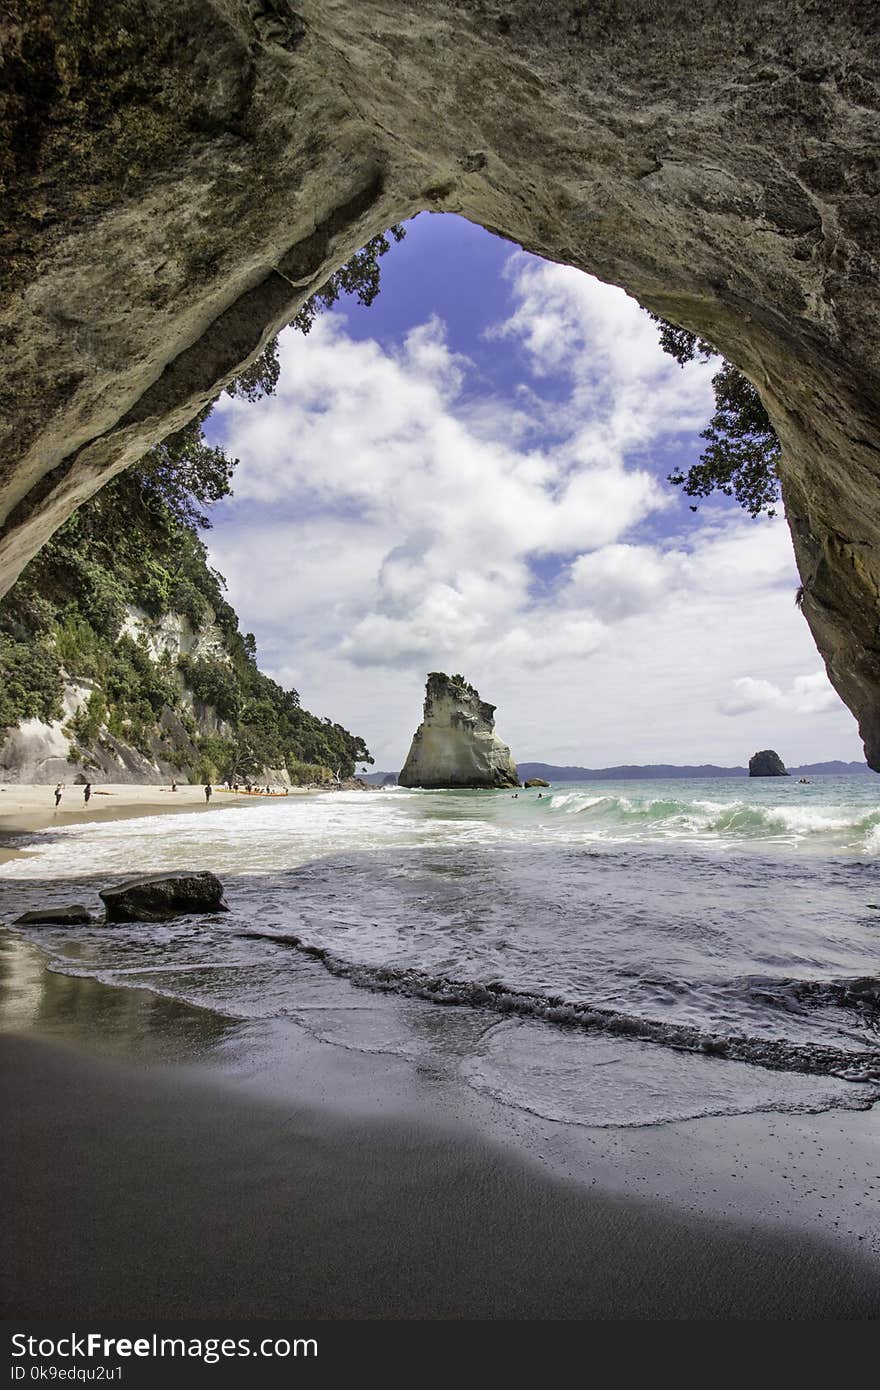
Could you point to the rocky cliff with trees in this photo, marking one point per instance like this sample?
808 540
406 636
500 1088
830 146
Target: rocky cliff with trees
120 658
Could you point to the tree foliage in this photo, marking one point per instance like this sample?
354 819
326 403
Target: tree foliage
360 277
128 548
185 472
742 448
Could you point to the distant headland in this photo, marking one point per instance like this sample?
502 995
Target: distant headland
634 770
643 772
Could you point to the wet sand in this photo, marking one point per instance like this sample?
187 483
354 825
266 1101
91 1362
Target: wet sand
325 1184
151 1194
29 809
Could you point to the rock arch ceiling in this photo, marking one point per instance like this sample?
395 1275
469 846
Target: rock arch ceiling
181 174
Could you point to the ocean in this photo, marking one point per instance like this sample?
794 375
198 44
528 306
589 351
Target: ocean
606 954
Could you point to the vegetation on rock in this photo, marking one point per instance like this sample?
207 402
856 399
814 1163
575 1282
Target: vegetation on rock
136 545
129 547
742 446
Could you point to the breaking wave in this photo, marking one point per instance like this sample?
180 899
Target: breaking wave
616 816
621 953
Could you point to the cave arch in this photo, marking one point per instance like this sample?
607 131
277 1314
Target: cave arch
184 175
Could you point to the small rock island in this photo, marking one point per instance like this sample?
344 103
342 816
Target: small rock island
767 763
455 745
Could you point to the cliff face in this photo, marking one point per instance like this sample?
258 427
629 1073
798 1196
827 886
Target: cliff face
181 175
59 750
455 745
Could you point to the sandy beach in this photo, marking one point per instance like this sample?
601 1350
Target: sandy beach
171 1160
29 808
166 1162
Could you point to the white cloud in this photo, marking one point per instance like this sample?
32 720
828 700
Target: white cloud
625 393
389 522
806 695
620 581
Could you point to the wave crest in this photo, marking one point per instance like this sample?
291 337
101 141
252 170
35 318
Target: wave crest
663 816
773 1053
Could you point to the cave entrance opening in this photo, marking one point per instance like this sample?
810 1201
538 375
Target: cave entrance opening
472 475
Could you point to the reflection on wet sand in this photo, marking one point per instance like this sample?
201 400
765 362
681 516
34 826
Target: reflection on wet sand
121 1022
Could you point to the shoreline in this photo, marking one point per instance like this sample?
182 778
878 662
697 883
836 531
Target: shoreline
27 808
255 1171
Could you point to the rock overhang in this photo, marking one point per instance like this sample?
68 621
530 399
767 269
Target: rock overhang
722 169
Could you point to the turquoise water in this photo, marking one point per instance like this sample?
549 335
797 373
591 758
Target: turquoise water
827 814
606 953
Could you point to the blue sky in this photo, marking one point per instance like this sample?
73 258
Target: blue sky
470 476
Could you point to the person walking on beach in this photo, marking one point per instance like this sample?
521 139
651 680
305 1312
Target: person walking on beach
58 791
208 791
87 792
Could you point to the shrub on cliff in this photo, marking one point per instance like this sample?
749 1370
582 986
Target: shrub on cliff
304 774
31 685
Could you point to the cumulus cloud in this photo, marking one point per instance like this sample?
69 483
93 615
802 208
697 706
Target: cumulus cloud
393 517
625 393
384 437
806 695
620 581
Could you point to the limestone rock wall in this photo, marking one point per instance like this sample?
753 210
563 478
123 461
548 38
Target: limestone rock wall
36 751
180 174
41 753
456 745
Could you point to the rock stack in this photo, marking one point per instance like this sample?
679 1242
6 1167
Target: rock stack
455 745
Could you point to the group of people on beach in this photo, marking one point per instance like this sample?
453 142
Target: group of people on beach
247 787
252 790
59 792
208 790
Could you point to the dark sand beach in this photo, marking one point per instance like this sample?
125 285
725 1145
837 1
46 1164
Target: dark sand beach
160 1168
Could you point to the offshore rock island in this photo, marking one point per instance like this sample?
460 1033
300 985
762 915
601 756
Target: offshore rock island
456 745
767 763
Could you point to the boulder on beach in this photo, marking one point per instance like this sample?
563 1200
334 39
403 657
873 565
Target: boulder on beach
455 746
74 915
767 763
158 896
536 782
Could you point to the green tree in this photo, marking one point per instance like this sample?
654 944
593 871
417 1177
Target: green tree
31 685
184 473
743 449
361 277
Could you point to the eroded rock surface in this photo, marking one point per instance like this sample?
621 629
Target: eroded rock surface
456 745
180 174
